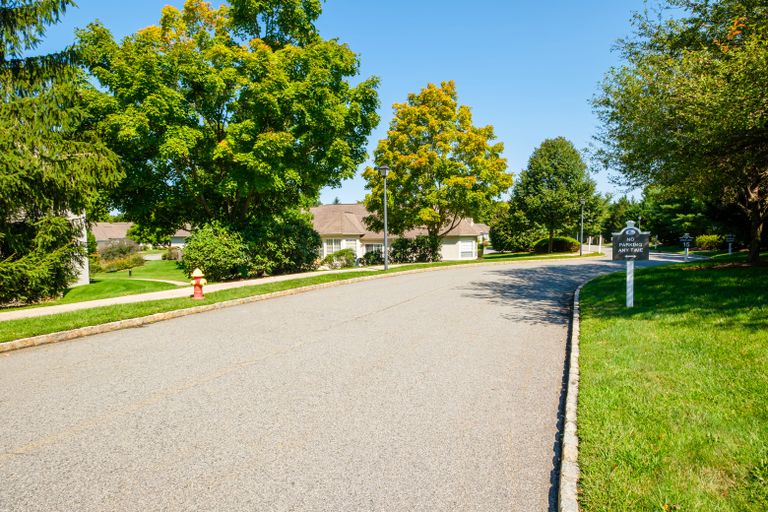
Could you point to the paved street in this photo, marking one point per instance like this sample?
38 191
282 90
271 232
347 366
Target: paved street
429 392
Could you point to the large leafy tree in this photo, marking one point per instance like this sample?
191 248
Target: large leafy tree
443 168
51 163
239 114
549 191
687 111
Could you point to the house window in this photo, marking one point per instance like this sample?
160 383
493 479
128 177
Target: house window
467 248
374 248
332 245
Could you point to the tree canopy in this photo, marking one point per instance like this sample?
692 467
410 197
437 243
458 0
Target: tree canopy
235 114
443 168
549 190
687 110
52 164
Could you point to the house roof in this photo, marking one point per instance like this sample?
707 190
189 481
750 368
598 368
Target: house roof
347 219
116 230
110 230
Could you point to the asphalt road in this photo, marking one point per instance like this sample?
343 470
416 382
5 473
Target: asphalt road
429 392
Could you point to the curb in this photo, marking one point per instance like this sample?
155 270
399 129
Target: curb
567 496
56 337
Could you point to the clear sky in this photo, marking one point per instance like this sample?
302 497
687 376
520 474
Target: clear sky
527 67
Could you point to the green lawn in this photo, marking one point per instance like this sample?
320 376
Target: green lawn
672 404
159 269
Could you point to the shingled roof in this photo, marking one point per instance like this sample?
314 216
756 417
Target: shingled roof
347 219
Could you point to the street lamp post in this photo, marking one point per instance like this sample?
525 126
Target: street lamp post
581 236
384 171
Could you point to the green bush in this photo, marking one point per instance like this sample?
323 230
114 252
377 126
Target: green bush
93 247
344 258
124 263
373 258
119 249
514 233
559 244
94 265
48 262
282 244
709 242
172 254
421 249
219 252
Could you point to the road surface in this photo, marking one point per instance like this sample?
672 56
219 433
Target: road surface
437 392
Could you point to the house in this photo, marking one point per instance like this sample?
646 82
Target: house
341 226
106 232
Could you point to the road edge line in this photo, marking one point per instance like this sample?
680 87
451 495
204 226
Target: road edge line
567 495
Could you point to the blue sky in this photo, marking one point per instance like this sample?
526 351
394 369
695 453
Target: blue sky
527 67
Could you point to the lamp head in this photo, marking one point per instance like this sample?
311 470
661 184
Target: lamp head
383 171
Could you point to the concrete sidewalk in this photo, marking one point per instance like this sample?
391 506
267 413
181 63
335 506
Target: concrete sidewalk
181 292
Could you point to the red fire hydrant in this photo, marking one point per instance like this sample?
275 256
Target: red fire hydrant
198 280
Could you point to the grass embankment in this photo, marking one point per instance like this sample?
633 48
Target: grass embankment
23 328
672 405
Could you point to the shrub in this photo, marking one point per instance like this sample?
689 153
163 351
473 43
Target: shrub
94 265
173 254
373 258
282 244
118 249
93 247
421 249
709 242
48 262
513 232
219 252
344 258
559 244
124 263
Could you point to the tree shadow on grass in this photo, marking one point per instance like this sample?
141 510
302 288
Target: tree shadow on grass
732 294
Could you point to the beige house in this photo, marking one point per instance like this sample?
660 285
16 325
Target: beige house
341 226
106 232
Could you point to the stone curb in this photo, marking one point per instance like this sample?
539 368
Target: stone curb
56 337
567 498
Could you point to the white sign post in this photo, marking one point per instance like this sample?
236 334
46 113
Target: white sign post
686 240
630 281
730 238
631 244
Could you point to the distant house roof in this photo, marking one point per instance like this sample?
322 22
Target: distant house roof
347 220
104 231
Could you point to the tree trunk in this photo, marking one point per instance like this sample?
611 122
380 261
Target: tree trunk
551 237
755 234
757 216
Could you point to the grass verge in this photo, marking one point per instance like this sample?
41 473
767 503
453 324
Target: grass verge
24 328
672 409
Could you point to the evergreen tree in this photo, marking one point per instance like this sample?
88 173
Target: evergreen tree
51 163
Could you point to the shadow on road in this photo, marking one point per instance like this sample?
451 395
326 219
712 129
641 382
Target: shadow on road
535 295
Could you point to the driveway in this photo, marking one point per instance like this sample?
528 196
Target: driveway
434 391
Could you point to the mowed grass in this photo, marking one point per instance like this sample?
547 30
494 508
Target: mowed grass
673 409
23 328
155 269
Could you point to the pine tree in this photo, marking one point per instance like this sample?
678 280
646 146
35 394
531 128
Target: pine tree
51 161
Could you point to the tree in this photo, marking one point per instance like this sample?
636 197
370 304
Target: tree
549 190
52 165
686 110
210 128
443 169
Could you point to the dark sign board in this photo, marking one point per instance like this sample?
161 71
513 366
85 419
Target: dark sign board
729 238
686 240
631 242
